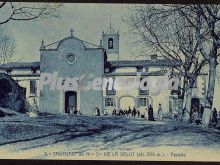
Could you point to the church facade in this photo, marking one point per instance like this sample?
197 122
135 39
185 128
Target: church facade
72 58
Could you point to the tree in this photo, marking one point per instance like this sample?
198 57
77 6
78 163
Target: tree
7 47
14 11
162 29
206 21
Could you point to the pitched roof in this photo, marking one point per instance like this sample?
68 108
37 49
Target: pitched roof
54 45
146 63
20 65
124 63
110 30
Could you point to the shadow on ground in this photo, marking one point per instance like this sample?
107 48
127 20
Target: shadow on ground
22 132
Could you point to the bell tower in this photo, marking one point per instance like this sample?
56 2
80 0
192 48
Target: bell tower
110 42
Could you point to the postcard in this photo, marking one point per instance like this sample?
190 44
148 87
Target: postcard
92 81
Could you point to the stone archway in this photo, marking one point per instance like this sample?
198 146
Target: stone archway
125 101
12 96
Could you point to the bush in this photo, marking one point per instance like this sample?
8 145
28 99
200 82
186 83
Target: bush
2 114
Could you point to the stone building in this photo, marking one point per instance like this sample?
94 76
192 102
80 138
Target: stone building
72 58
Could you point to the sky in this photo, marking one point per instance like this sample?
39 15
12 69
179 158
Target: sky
87 20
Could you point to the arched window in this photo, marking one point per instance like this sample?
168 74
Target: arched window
110 43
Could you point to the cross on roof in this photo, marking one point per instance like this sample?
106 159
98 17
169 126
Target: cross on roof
42 42
71 32
42 45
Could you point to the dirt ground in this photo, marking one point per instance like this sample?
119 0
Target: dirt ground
34 137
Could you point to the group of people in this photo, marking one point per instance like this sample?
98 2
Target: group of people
130 112
73 110
196 114
149 113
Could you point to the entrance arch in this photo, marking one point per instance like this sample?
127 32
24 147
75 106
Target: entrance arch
195 103
126 101
70 100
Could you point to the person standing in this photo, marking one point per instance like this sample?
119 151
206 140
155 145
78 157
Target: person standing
129 111
201 111
126 112
150 113
74 111
160 112
134 112
214 117
138 113
97 111
193 110
70 108
114 112
121 112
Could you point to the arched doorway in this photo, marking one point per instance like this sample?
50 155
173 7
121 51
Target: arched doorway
70 100
127 101
194 107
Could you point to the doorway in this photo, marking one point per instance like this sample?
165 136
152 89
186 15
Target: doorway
194 107
195 104
70 100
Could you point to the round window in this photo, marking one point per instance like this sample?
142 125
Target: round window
71 58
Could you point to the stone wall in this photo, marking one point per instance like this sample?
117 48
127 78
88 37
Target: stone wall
12 96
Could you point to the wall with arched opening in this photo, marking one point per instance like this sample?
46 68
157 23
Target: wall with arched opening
127 101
